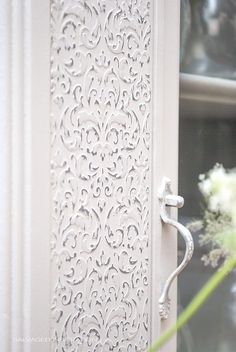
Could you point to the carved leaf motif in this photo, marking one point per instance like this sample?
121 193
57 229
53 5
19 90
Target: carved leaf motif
100 165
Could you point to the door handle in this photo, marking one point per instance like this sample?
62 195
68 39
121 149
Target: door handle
167 199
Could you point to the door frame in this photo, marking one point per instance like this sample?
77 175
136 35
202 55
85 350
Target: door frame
25 299
166 29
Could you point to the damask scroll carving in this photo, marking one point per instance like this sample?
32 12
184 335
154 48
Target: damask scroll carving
100 166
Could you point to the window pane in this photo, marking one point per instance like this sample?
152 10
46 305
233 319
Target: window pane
207 135
208 37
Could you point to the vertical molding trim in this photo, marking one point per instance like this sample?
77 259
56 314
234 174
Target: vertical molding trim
166 22
4 175
24 175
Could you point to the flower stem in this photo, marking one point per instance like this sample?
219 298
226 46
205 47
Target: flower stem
196 303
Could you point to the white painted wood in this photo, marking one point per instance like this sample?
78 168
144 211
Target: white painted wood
5 216
25 178
17 174
24 173
39 106
165 152
101 174
207 89
83 52
207 97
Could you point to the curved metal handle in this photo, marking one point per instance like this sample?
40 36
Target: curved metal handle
167 199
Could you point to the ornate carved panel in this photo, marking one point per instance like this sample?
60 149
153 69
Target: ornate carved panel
100 165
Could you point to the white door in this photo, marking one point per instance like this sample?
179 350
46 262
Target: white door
92 129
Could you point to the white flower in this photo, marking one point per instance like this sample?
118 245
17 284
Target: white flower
205 187
219 189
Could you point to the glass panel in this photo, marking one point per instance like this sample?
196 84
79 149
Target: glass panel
207 135
208 37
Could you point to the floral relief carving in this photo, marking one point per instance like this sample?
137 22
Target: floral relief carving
100 172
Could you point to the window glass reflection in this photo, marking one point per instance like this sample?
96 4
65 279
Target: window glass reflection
207 135
208 37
